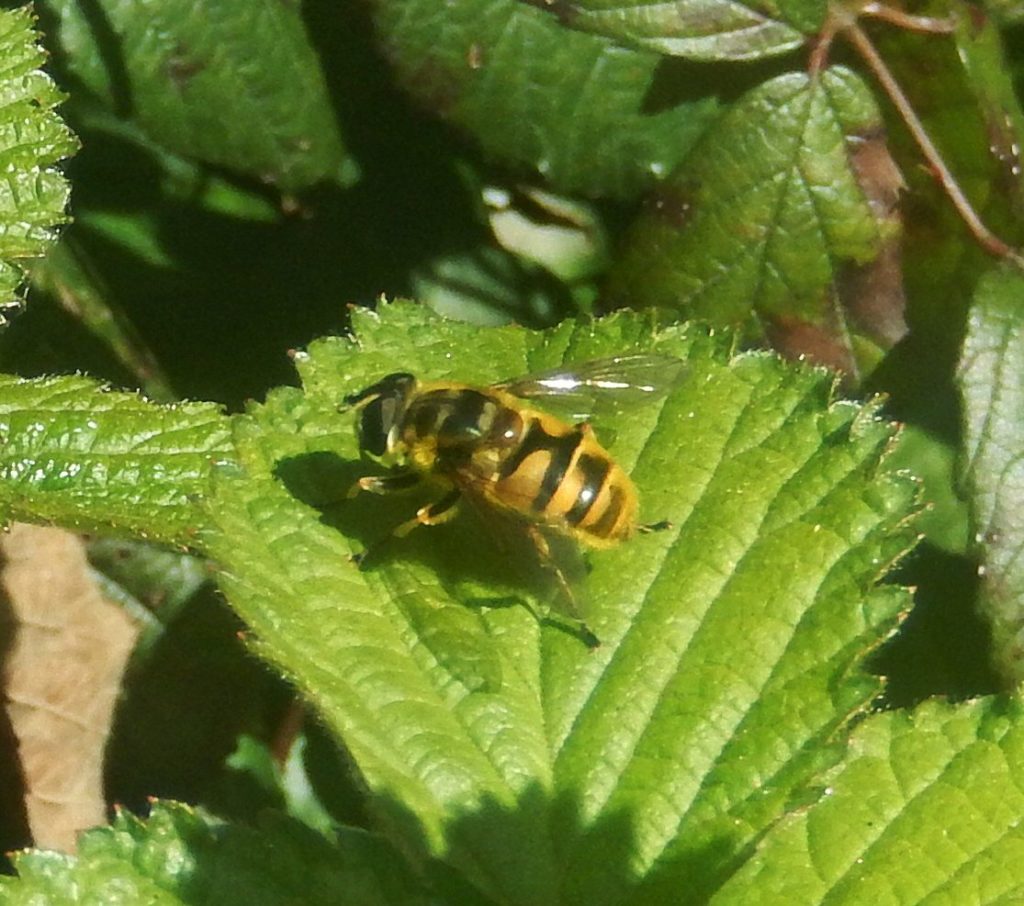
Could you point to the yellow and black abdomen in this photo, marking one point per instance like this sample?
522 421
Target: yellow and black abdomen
558 474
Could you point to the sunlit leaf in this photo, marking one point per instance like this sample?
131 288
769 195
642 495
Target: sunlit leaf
926 809
485 735
74 453
33 139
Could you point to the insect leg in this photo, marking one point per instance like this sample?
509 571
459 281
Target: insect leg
432 514
385 484
572 608
654 527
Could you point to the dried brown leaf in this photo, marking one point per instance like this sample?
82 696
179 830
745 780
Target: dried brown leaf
61 676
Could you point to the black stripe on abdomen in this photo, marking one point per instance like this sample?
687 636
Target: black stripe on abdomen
594 471
561 449
611 515
535 440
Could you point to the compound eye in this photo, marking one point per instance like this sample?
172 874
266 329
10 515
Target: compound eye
381 409
374 426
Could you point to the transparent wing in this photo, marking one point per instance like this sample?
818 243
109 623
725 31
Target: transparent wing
613 382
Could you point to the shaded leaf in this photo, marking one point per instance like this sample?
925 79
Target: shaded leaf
151 581
967 105
944 519
33 139
171 738
237 84
69 277
992 383
944 646
488 286
590 116
760 224
180 856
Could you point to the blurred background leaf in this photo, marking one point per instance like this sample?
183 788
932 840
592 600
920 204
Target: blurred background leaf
770 220
708 30
991 379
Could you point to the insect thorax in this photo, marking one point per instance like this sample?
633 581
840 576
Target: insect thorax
453 428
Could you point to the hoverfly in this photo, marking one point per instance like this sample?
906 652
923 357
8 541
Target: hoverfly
488 446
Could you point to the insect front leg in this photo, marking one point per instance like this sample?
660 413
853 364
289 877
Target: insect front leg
548 562
385 484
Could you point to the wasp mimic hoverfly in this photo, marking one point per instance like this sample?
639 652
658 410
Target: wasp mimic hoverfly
489 446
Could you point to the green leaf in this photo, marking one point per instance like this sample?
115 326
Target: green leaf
236 84
590 116
992 384
704 30
766 221
180 856
146 578
76 454
926 809
33 192
539 770
944 519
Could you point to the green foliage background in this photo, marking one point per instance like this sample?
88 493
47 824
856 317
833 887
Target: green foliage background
806 688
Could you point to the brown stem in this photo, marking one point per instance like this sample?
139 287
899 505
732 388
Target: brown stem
993 244
819 52
928 25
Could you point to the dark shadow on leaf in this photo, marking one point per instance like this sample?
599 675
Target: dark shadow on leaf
321 480
338 785
482 557
537 851
275 859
